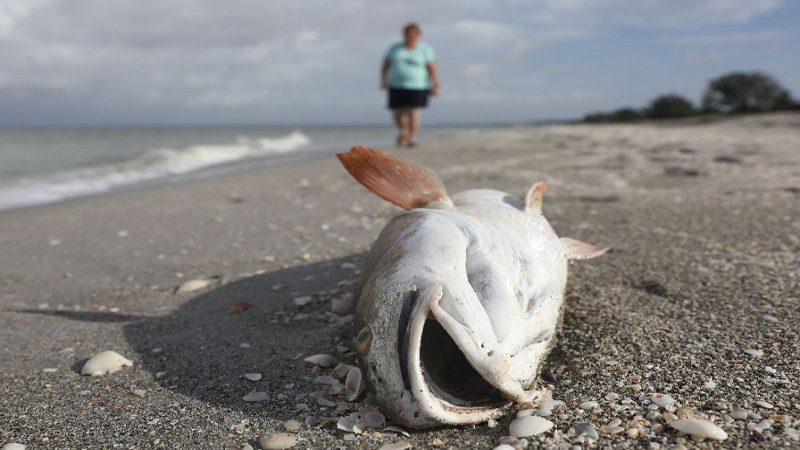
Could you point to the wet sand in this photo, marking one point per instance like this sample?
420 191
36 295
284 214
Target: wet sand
703 219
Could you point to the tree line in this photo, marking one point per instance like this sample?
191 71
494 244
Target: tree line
733 93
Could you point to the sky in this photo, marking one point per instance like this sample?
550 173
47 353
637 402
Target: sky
112 62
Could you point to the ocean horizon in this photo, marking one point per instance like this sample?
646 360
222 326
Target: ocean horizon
47 164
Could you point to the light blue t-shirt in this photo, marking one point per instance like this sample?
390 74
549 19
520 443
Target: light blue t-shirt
408 68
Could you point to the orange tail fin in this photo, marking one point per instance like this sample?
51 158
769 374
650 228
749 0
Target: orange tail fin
406 185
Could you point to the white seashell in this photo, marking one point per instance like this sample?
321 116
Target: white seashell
302 301
321 360
292 425
739 414
754 352
345 424
586 406
192 285
256 397
396 429
322 398
529 426
105 362
550 404
700 428
503 447
327 379
349 437
662 400
354 384
255 376
14 446
373 420
526 412
764 404
395 446
277 441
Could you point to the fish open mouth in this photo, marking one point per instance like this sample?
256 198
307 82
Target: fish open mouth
443 380
449 375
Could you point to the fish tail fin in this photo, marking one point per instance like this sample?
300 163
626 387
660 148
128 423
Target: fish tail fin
400 182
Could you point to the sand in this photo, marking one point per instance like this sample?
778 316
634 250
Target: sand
703 219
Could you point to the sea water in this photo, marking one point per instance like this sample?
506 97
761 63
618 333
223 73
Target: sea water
45 165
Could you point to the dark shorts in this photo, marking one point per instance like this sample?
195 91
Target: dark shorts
408 98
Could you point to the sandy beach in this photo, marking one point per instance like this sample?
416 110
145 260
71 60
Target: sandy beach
698 299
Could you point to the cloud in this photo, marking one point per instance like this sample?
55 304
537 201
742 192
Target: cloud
727 38
270 56
702 58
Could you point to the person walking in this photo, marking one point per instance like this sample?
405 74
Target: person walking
409 74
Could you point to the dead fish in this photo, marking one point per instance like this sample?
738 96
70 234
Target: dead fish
460 298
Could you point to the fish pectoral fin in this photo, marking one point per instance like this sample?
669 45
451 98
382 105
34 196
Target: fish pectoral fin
581 250
400 182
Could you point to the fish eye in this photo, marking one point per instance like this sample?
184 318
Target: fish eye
363 339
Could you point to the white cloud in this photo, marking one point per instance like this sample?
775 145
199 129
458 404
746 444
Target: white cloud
727 38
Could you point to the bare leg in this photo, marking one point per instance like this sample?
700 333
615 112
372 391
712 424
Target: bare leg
401 121
413 125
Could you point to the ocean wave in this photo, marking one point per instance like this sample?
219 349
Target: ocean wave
151 165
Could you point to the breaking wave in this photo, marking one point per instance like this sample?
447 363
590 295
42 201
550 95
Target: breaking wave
151 165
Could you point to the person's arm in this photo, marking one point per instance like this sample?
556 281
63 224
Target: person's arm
434 74
385 73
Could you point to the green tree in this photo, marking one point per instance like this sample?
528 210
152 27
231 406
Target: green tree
669 106
746 92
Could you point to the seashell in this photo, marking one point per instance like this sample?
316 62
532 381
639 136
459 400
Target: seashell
321 360
277 441
586 406
373 420
256 397
586 430
340 371
255 376
503 447
454 287
354 385
327 379
529 426
700 428
14 446
105 362
345 424
192 286
302 301
526 412
322 398
607 429
739 414
662 400
292 425
396 429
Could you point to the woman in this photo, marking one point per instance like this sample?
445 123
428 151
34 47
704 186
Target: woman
409 73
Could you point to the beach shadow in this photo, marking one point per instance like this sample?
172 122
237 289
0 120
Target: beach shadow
198 350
